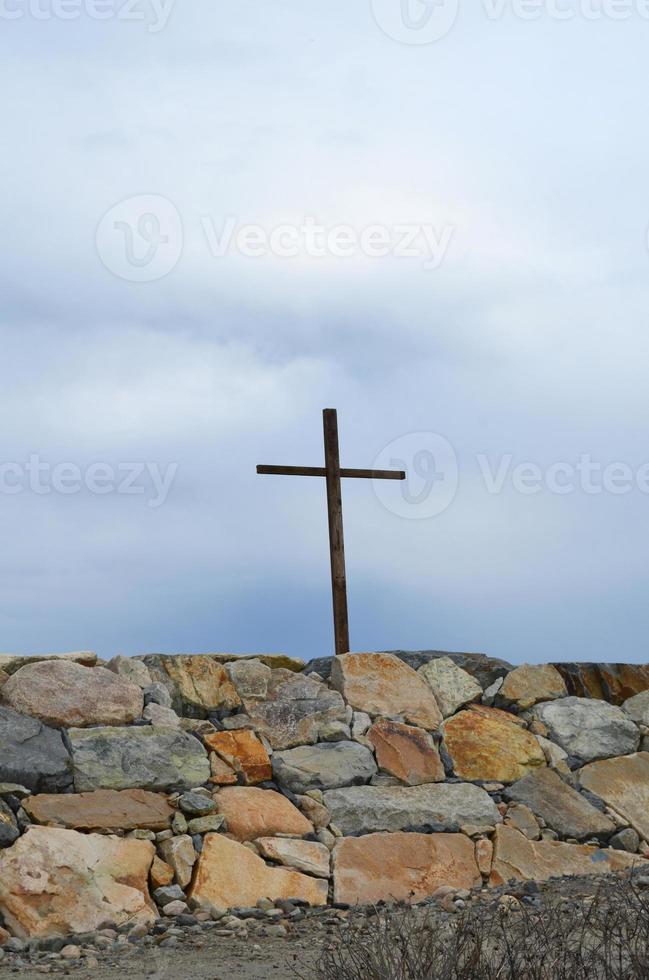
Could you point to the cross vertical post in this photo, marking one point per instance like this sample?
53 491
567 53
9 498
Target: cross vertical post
336 539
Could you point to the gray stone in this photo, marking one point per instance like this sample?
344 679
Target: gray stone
485 669
157 693
432 806
157 714
452 686
637 708
626 840
131 670
561 807
196 804
163 759
588 729
32 754
169 893
250 678
297 707
326 765
8 827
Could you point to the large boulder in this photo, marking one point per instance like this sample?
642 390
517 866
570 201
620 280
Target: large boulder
326 765
31 754
405 752
157 759
65 694
515 856
243 752
55 882
485 747
401 867
431 807
561 807
297 708
250 813
528 684
105 809
623 784
11 662
588 729
198 684
452 686
229 875
383 686
615 683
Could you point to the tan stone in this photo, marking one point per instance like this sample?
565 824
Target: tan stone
221 773
530 683
521 818
11 662
4 676
250 813
4 936
66 694
277 661
497 714
401 866
406 752
314 811
452 686
161 873
382 685
179 854
517 857
486 748
105 809
244 752
484 851
197 683
56 882
303 855
229 874
623 784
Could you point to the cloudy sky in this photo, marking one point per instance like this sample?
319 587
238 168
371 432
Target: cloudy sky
220 218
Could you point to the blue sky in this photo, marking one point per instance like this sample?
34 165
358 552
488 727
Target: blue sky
519 144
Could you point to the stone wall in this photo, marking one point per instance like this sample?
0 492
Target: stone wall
149 785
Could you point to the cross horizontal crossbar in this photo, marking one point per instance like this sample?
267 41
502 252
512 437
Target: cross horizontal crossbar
321 471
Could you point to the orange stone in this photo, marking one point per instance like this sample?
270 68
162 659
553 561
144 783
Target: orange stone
250 813
486 748
229 874
161 873
406 752
496 713
382 685
484 851
105 809
222 773
244 752
623 784
401 867
615 683
529 860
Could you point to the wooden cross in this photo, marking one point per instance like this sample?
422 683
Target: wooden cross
333 473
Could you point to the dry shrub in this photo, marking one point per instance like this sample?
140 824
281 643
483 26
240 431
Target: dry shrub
605 937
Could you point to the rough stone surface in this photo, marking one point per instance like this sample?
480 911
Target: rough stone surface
406 752
555 756
157 714
229 874
435 806
517 857
624 785
588 729
520 817
637 708
401 867
615 683
179 854
221 774
129 809
32 754
8 827
131 670
10 662
63 693
250 678
485 669
161 873
303 855
297 707
484 851
487 711
250 813
198 684
486 748
244 753
58 882
162 759
452 686
526 685
382 685
560 806
326 765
